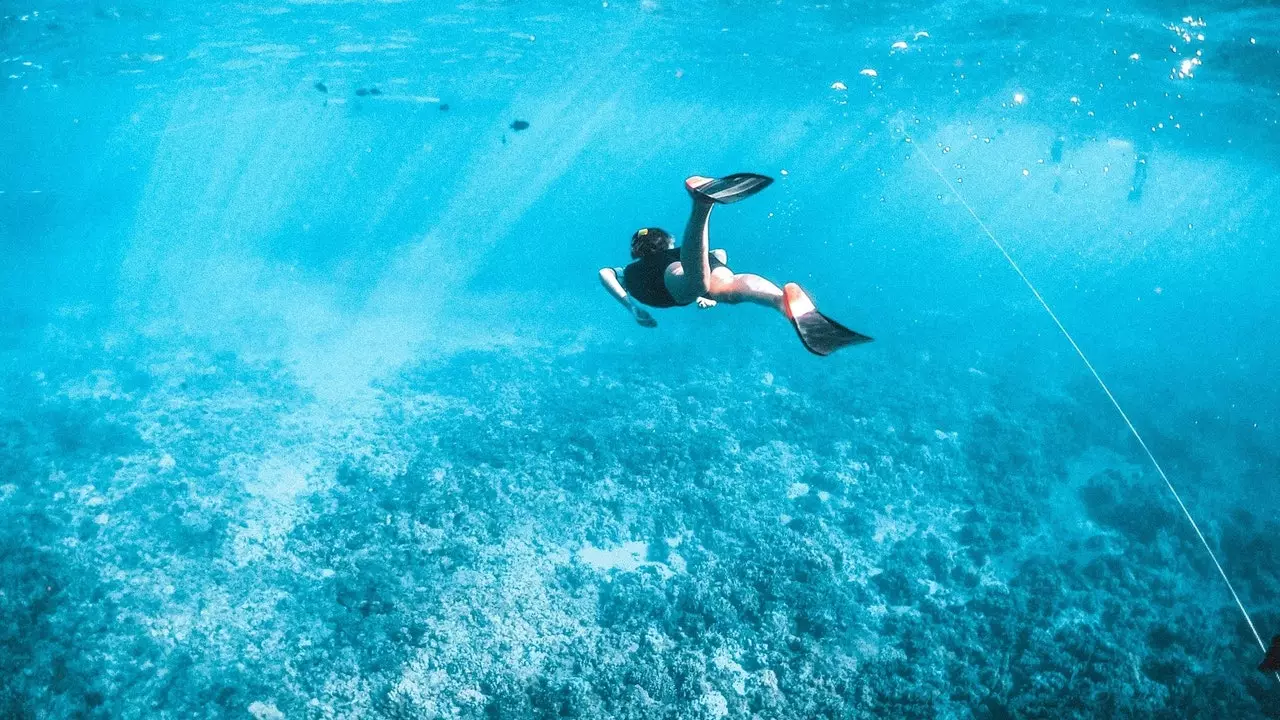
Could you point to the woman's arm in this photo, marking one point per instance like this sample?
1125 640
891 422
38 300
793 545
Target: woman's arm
609 279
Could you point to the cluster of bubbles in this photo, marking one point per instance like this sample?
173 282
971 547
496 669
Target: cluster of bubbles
1190 31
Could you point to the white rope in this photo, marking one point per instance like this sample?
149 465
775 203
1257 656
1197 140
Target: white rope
1043 303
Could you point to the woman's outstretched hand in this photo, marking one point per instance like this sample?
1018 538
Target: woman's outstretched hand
705 303
643 317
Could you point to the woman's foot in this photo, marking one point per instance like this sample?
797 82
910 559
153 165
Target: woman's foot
691 186
796 301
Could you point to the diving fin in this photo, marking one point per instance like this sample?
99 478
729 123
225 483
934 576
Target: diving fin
1272 662
820 334
732 188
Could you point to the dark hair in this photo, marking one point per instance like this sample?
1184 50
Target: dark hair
647 241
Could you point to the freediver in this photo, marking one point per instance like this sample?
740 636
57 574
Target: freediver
1055 158
663 275
1271 663
1139 177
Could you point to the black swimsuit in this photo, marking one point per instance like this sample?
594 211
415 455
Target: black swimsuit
645 278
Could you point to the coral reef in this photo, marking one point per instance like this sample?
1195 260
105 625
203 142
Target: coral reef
537 533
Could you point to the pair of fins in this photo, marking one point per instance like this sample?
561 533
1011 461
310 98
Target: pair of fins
820 334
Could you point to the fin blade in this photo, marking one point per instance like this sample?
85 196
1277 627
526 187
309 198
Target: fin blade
822 336
734 188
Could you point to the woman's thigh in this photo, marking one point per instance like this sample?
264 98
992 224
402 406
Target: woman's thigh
723 281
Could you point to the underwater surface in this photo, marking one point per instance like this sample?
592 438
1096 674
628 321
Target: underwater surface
311 405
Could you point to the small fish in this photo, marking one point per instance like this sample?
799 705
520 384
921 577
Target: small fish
362 92
444 107
322 87
375 91
519 125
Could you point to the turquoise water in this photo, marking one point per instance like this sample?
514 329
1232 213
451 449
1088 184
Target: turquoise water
313 406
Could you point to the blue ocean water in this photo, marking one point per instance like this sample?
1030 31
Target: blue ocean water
312 405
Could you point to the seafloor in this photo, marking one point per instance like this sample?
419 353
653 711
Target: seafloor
583 532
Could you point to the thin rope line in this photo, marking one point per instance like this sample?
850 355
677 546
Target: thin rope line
1043 303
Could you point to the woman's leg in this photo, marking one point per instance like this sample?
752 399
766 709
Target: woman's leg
732 288
694 276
